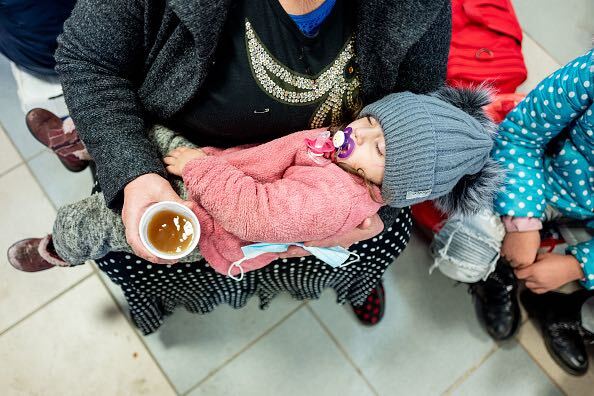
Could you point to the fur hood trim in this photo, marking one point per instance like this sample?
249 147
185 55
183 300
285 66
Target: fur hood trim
476 192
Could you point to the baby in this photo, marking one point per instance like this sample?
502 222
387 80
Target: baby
309 185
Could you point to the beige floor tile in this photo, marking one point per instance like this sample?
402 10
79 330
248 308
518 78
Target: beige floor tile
9 157
297 358
564 28
538 62
26 212
531 339
79 344
508 371
429 335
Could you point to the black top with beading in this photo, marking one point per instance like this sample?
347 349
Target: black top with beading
269 79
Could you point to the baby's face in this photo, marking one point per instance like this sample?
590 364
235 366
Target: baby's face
370 149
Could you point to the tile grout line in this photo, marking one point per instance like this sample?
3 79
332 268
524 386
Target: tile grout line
26 164
10 169
342 350
22 161
16 147
40 184
134 329
95 271
45 304
244 349
538 363
461 379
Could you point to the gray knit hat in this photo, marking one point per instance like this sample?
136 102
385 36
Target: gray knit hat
437 147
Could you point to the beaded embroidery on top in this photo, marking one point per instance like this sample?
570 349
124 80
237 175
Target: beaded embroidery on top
336 87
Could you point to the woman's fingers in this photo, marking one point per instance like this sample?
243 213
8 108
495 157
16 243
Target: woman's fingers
131 217
139 194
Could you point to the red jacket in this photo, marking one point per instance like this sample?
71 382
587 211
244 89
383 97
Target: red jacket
486 45
273 192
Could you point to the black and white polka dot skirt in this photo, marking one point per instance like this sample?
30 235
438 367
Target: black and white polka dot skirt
154 291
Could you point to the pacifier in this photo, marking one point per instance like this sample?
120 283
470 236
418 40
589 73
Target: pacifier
320 145
343 142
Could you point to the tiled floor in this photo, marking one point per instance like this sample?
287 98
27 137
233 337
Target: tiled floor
65 332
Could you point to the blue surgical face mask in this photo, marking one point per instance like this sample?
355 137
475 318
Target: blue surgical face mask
336 256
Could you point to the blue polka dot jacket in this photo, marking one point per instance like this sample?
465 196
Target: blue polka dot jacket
536 176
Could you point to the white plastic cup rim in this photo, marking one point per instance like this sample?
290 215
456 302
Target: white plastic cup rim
178 208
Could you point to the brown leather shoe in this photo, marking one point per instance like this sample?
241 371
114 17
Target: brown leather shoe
32 255
47 128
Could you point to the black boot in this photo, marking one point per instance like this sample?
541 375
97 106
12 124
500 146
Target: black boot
559 317
496 302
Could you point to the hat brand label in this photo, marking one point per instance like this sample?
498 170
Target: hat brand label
417 194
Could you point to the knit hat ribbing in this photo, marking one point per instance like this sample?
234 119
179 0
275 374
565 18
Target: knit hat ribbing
431 145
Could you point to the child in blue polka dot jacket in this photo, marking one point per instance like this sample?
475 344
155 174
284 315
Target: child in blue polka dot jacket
544 182
559 176
546 146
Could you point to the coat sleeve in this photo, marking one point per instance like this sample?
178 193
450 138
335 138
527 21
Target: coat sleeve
99 61
584 253
420 73
304 205
520 145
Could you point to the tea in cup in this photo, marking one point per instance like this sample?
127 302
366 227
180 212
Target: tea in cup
169 230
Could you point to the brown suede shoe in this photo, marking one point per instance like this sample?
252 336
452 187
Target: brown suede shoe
33 255
47 128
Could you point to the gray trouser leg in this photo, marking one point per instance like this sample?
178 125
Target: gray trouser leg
467 248
88 229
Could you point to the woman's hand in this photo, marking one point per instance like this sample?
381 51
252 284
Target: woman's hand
178 158
520 248
139 194
549 272
369 228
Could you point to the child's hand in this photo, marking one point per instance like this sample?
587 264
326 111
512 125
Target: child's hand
549 272
520 248
178 158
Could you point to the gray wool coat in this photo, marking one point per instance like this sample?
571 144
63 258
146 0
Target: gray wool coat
125 64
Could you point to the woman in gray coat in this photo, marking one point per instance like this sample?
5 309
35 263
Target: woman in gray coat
267 68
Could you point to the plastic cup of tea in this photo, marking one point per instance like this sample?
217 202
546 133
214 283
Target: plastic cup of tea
178 208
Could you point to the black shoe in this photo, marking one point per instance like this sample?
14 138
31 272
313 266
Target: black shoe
496 302
372 310
559 319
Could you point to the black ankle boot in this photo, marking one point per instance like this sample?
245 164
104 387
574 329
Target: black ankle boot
496 302
559 317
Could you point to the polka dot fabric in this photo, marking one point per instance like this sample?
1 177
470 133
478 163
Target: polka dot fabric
564 179
154 291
